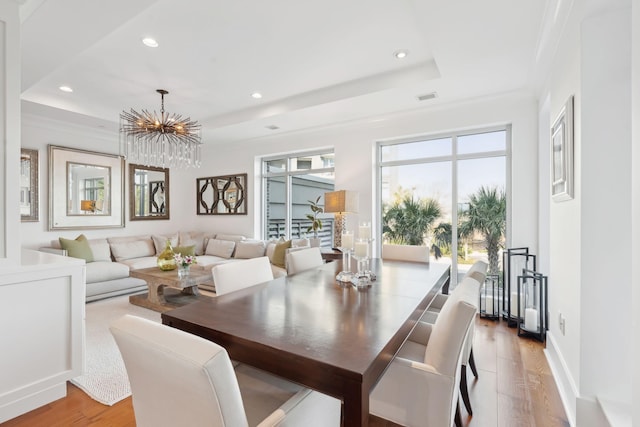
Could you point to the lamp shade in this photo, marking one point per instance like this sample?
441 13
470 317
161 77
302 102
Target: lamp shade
341 201
88 205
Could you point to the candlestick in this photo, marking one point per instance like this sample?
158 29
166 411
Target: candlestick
362 249
364 231
347 240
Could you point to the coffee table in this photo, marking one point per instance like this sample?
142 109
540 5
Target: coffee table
158 281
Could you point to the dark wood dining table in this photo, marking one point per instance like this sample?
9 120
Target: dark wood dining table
320 333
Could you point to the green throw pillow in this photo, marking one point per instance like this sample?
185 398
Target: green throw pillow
279 253
78 248
185 250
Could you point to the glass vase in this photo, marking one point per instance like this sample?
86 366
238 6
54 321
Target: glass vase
183 271
166 260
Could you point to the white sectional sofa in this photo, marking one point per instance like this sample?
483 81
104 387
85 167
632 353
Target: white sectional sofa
113 257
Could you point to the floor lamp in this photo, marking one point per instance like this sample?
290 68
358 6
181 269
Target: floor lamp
340 202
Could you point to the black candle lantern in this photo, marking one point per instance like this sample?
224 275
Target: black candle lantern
490 297
514 261
532 291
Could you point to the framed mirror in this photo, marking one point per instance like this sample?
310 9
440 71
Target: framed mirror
29 211
148 192
222 195
86 189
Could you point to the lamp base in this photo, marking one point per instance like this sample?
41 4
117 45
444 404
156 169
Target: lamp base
340 223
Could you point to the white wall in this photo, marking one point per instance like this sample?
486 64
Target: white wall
590 243
355 156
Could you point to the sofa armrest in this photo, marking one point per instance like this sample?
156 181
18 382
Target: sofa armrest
55 251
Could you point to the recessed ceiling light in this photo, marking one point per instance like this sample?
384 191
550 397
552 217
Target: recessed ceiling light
66 89
272 127
149 42
256 95
401 54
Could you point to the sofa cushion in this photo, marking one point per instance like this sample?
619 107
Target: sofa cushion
278 271
221 248
142 262
208 261
100 249
232 237
160 241
195 238
132 249
278 258
78 248
246 249
101 271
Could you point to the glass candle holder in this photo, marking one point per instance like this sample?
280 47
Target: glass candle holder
346 246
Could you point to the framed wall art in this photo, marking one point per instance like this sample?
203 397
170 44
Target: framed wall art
86 189
562 154
222 195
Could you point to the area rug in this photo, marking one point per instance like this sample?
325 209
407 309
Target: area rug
105 377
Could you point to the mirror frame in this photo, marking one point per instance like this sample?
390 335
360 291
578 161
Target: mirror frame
59 159
32 157
132 190
220 184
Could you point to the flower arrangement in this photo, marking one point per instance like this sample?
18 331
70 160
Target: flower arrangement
184 260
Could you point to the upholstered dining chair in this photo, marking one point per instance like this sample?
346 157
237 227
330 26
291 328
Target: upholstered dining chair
237 275
180 379
420 386
467 290
303 260
405 253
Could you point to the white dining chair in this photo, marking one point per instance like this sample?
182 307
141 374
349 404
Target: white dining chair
405 253
468 290
303 260
180 379
420 386
233 276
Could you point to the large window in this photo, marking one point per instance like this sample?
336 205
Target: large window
289 183
447 192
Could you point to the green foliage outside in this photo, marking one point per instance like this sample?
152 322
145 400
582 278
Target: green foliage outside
408 221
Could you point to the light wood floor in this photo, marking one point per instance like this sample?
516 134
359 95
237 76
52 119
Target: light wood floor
515 388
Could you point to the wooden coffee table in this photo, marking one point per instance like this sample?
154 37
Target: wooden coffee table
159 282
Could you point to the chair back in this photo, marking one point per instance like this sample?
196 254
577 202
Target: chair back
177 378
237 275
303 260
406 253
445 349
478 271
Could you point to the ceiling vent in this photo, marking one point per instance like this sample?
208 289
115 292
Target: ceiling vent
427 96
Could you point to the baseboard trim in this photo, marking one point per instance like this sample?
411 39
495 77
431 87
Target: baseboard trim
32 401
566 385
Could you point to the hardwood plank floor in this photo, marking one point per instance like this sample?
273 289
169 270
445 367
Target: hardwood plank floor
514 388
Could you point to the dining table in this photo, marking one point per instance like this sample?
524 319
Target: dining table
311 329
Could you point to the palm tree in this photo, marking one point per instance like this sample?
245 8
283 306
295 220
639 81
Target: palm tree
407 221
487 215
441 239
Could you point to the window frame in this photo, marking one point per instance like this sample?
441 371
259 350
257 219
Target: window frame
454 158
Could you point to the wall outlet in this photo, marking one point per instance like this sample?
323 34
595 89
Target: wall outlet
561 322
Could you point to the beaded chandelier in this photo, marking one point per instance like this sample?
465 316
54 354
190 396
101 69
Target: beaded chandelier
165 140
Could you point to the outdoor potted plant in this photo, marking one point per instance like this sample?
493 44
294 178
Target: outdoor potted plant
316 223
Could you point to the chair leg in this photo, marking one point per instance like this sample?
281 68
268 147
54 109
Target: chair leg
472 364
464 390
458 419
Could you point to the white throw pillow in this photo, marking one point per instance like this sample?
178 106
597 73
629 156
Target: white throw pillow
221 248
300 243
249 249
160 241
134 249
